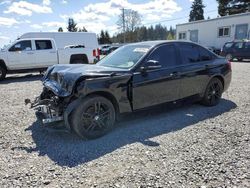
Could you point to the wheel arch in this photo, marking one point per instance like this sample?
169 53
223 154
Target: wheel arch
68 112
2 63
108 96
82 57
220 77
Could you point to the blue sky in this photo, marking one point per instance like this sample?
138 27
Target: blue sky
21 16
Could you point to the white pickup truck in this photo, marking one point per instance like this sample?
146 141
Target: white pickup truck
37 51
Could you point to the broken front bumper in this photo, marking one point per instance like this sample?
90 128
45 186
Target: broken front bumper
47 112
46 115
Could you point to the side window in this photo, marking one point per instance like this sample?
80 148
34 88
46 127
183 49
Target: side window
247 45
165 55
205 55
189 53
21 46
43 44
228 45
239 45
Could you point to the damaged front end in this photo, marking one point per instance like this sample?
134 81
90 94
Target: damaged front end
66 85
49 108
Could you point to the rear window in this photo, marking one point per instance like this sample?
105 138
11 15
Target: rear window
190 53
43 44
205 55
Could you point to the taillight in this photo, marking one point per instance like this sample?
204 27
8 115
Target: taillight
99 52
229 64
94 53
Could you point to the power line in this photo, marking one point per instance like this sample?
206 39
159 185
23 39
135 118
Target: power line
166 20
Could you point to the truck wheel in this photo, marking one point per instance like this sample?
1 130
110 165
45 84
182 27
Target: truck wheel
213 93
2 73
93 117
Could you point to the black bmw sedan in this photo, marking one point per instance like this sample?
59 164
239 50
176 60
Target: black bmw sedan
88 98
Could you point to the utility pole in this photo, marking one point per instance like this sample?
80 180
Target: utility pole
123 24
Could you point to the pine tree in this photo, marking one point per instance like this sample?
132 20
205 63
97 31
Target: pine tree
72 25
232 7
102 37
197 12
83 29
107 37
60 29
170 36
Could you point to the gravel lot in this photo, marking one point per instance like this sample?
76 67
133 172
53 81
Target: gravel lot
188 146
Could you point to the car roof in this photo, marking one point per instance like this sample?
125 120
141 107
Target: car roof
158 42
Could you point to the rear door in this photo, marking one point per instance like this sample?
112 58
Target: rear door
160 85
246 50
238 49
195 61
46 53
21 55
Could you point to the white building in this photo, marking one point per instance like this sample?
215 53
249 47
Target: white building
216 32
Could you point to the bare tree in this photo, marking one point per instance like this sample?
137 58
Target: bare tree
128 20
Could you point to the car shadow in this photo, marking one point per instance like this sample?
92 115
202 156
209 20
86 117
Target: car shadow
22 78
67 149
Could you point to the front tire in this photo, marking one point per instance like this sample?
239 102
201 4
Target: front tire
93 117
213 93
2 73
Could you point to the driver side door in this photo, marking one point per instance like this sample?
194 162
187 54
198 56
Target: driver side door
159 85
21 55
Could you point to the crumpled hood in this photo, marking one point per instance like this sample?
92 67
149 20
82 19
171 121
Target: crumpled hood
61 79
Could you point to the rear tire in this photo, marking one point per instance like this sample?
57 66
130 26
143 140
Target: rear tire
93 117
239 59
213 93
3 72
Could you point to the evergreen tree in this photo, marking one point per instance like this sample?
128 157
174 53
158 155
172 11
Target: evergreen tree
60 29
83 29
107 37
197 12
72 25
102 37
233 7
170 36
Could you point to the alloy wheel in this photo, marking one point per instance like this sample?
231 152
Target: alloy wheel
214 93
97 117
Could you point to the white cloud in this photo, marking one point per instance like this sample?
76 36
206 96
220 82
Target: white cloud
64 2
36 26
4 38
7 21
100 13
46 2
26 9
5 2
45 25
54 24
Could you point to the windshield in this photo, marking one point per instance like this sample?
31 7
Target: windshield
125 57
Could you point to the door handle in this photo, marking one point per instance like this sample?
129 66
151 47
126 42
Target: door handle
30 52
53 52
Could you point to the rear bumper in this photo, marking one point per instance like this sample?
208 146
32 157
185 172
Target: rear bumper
227 80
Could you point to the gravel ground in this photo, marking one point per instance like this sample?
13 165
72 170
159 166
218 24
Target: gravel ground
188 146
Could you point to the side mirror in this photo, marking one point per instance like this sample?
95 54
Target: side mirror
151 65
